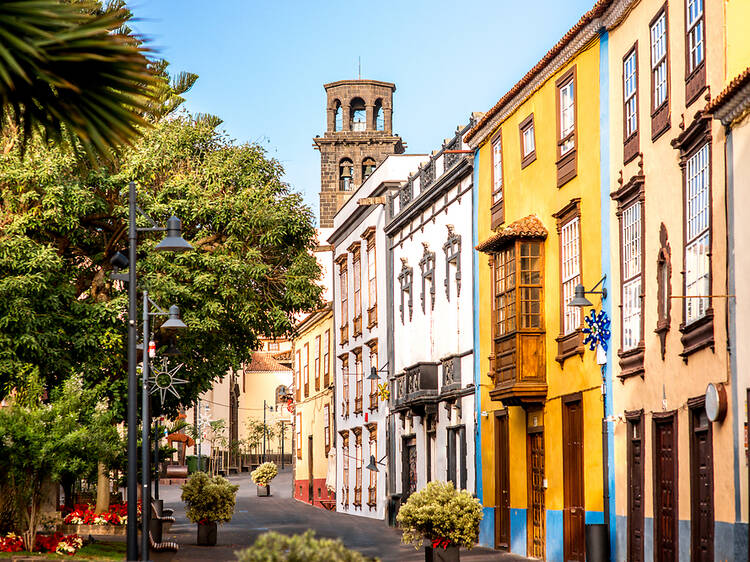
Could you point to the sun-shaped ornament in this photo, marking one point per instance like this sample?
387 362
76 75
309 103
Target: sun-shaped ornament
164 380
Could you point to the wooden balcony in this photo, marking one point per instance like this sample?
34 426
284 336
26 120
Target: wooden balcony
416 387
372 500
357 326
344 334
518 368
372 317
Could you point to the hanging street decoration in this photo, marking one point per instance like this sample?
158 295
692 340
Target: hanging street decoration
383 391
164 380
596 330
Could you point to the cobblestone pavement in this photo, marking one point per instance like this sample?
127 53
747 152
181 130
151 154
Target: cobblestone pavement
254 515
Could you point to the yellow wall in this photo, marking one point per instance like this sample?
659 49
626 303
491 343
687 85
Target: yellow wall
737 38
312 407
533 190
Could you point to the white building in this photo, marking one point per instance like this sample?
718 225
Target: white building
429 235
360 320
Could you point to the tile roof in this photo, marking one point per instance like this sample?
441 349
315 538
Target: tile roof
725 98
527 227
595 12
264 362
283 355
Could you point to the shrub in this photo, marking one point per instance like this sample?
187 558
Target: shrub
440 513
208 498
275 547
263 475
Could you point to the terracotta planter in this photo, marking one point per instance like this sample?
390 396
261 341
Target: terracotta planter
264 491
450 554
207 534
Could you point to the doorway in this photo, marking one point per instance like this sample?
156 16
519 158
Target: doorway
665 487
635 486
502 482
408 467
701 485
536 512
574 519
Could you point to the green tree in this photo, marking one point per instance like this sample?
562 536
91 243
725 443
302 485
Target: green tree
73 70
63 219
65 437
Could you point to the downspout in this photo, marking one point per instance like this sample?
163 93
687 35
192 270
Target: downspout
391 429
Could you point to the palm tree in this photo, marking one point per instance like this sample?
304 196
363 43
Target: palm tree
72 71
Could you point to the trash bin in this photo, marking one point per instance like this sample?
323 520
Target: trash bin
192 463
597 543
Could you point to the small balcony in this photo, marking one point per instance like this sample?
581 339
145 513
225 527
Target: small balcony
518 369
344 334
372 317
357 326
372 500
417 387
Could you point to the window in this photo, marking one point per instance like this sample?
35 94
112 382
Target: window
326 360
372 490
659 74
427 267
405 282
452 249
358 115
528 142
570 274
659 60
273 346
357 278
358 381
306 368
372 283
345 460
345 385
697 235
338 117
358 471
630 101
327 427
566 127
346 169
298 374
530 285
379 118
368 167
316 362
497 170
298 434
695 32
344 298
373 383
505 291
632 229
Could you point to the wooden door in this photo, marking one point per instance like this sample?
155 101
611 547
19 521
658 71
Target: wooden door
701 487
502 483
408 467
665 489
450 474
310 468
536 513
573 491
635 489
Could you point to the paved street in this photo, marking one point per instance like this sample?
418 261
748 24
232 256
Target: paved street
254 515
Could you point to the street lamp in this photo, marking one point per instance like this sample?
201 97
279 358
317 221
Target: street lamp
580 292
373 464
173 233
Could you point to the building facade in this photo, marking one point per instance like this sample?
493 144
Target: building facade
432 396
360 320
314 409
539 226
359 135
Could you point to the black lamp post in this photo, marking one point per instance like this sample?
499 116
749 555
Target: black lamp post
173 242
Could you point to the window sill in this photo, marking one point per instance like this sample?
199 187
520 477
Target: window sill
357 326
695 83
631 362
660 121
630 148
568 346
372 317
528 159
697 335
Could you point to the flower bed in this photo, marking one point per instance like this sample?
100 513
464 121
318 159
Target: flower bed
58 543
84 514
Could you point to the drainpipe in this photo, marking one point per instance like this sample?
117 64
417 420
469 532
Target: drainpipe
390 480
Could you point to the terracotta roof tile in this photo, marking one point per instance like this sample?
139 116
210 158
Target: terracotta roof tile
283 355
527 227
734 86
595 12
264 362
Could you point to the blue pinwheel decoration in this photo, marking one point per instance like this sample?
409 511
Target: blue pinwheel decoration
596 330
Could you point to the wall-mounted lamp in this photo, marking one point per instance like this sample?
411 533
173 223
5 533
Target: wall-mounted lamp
373 464
579 298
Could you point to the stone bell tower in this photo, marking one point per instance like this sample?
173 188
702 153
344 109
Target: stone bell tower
358 137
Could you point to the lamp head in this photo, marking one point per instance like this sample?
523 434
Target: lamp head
119 260
174 242
373 376
372 465
579 297
174 322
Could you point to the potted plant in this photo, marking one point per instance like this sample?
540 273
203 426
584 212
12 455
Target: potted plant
262 477
447 518
208 500
275 546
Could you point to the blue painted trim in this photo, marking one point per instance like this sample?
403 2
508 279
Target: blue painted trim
487 528
518 531
554 540
604 150
477 374
594 517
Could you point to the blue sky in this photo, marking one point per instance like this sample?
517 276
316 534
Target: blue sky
262 65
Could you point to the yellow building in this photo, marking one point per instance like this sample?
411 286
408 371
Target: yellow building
539 224
314 415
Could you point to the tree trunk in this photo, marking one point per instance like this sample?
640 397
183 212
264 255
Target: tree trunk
67 484
102 489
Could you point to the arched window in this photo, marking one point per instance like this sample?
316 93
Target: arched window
338 119
368 167
346 170
379 117
358 115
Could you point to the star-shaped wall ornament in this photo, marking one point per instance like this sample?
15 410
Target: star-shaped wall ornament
164 380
